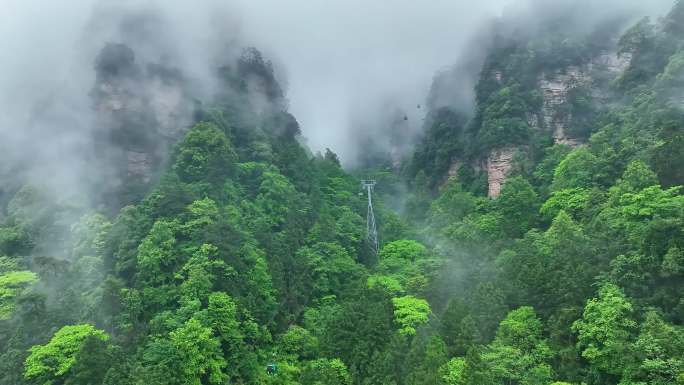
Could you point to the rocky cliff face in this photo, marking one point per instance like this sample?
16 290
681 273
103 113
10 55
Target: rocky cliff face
572 98
139 112
499 163
453 169
611 62
554 115
554 88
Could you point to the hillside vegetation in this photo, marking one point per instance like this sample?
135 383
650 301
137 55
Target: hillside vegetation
241 258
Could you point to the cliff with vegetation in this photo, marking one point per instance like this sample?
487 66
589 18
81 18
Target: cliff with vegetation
540 239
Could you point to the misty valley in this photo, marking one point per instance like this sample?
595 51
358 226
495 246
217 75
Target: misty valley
514 218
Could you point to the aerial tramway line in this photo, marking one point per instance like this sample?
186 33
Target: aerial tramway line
371 229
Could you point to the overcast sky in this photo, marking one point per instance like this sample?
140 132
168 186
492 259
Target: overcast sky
345 57
338 58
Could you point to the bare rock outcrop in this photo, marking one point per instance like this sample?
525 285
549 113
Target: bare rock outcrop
453 168
555 114
555 88
140 110
611 62
140 165
452 173
499 163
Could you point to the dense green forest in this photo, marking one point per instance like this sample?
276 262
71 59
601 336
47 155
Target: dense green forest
244 259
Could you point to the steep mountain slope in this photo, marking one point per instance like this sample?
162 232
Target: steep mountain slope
541 239
241 236
554 199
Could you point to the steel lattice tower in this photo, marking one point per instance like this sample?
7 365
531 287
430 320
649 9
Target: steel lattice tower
371 230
